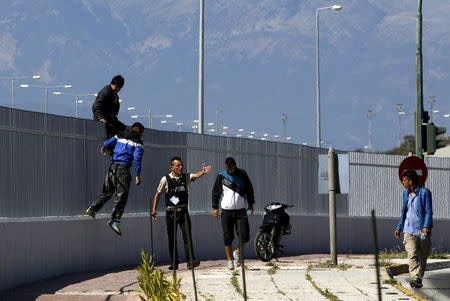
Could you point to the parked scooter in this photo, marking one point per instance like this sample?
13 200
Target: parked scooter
275 225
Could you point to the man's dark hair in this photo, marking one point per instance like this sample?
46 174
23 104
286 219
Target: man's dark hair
118 80
175 159
410 175
230 162
137 125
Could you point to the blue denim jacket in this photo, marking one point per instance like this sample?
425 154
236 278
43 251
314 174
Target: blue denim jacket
425 208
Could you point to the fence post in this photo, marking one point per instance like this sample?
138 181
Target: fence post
187 226
376 252
241 254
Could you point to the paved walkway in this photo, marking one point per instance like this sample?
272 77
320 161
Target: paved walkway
305 277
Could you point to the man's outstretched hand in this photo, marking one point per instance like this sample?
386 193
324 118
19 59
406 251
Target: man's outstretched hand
397 234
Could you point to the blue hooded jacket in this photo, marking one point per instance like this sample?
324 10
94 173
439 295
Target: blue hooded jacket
425 208
127 151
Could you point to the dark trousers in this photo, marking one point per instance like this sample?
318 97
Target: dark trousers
114 127
182 219
117 180
230 223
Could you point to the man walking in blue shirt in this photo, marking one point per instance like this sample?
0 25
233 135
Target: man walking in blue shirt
127 151
416 222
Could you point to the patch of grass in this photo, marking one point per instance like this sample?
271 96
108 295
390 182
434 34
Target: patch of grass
273 269
322 265
207 296
390 281
235 283
439 256
344 266
439 253
396 253
326 293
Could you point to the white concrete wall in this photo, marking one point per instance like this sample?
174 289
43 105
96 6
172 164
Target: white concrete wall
35 249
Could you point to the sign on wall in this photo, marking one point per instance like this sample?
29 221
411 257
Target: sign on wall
342 174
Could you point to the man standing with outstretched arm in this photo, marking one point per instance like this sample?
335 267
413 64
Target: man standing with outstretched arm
127 151
416 222
234 191
175 187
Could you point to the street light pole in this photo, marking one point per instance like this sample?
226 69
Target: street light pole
369 117
399 108
284 117
218 111
201 68
13 86
431 101
46 88
333 7
150 121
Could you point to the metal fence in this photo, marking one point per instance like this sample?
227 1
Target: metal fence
51 166
374 183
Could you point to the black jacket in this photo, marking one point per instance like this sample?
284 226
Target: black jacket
106 104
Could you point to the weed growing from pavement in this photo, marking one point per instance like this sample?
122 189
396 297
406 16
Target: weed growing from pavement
322 265
390 281
344 266
439 253
207 296
155 285
326 293
235 283
278 289
273 268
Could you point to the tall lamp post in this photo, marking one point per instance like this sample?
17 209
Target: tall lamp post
201 59
13 85
149 116
78 101
46 88
400 112
218 111
284 117
431 101
370 113
336 8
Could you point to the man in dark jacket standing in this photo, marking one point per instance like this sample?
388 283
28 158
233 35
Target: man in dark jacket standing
233 191
107 106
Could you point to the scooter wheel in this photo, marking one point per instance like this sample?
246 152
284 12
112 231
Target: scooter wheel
263 246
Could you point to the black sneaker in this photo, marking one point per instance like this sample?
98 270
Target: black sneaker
90 212
171 267
195 263
416 283
115 226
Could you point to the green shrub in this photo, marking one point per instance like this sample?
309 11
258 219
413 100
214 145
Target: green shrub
153 283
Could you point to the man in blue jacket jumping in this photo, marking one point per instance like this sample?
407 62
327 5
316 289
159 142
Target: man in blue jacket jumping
127 150
416 222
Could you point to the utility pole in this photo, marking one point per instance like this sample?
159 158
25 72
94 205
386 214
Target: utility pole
419 82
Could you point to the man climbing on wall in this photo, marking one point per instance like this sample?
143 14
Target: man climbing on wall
127 150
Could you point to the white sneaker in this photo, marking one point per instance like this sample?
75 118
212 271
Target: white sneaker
237 258
230 265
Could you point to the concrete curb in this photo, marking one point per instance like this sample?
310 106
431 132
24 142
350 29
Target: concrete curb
389 272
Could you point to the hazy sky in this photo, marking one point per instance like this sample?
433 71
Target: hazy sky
259 61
